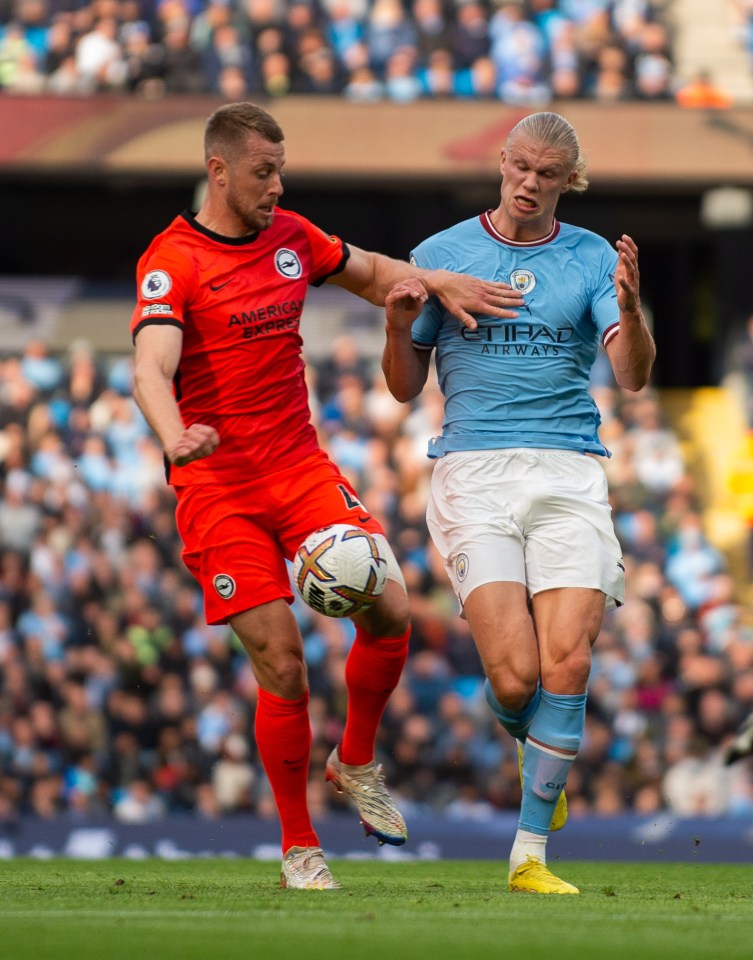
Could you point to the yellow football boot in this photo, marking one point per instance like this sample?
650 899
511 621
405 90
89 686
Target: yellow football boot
533 876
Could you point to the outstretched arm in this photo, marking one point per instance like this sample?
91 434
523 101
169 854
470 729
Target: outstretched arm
372 276
158 350
632 352
405 368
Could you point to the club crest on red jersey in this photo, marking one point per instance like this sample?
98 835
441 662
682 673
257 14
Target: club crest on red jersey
287 264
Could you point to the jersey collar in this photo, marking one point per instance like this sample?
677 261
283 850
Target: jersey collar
486 223
191 220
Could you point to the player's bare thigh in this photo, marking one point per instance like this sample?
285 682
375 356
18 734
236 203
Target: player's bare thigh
567 622
502 629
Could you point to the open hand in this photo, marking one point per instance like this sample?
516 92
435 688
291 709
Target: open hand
627 277
464 296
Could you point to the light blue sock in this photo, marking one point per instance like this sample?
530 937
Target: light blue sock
515 722
553 740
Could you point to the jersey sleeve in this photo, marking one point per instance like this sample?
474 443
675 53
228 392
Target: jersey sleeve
604 309
329 254
164 280
425 329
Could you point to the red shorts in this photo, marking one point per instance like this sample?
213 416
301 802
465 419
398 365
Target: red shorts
237 536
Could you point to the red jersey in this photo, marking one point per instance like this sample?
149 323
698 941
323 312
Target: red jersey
238 303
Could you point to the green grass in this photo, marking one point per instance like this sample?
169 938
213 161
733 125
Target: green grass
228 909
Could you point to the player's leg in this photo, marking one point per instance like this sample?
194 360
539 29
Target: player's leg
318 494
573 564
503 631
372 671
270 636
567 623
229 549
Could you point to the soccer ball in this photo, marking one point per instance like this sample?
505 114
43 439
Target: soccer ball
339 571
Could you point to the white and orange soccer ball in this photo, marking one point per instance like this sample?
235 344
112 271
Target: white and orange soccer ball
339 570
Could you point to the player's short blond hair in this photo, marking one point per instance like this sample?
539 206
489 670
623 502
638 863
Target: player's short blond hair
554 131
227 129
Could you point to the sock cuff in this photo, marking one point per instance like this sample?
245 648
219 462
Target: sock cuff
560 720
398 643
515 722
279 706
574 700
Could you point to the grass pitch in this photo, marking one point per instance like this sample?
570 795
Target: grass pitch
228 909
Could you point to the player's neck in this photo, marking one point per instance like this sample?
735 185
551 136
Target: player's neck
221 222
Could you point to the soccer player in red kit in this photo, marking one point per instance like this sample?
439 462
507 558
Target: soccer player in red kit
219 375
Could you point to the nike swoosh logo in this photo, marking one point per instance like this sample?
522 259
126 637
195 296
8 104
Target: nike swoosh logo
218 286
293 762
363 519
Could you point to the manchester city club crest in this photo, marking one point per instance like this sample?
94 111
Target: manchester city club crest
461 566
522 280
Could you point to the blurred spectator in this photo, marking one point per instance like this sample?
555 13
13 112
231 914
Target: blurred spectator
139 804
698 784
433 31
469 36
20 516
99 57
233 777
227 51
702 93
389 28
518 50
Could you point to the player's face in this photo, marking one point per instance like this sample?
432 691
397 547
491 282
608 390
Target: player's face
254 183
534 177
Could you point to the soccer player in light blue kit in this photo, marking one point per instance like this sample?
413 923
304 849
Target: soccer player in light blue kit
518 505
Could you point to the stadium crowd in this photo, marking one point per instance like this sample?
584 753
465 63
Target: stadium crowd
116 698
522 52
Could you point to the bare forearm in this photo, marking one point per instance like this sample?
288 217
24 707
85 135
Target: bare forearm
373 275
632 352
154 396
405 368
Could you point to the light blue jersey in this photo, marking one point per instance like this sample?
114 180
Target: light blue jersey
522 382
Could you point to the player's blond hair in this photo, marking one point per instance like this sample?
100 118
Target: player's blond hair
228 128
552 130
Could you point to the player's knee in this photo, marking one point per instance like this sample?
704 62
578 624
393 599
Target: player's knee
513 689
390 615
569 674
284 676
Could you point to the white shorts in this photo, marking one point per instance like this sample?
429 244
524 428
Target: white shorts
537 517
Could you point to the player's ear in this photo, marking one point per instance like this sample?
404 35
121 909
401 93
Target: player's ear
216 170
569 181
502 158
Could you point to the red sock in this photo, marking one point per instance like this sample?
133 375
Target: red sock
372 672
283 739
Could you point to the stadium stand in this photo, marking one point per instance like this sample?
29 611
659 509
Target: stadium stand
519 51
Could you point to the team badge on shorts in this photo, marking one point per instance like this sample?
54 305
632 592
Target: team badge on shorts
461 566
287 263
522 280
224 585
156 284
